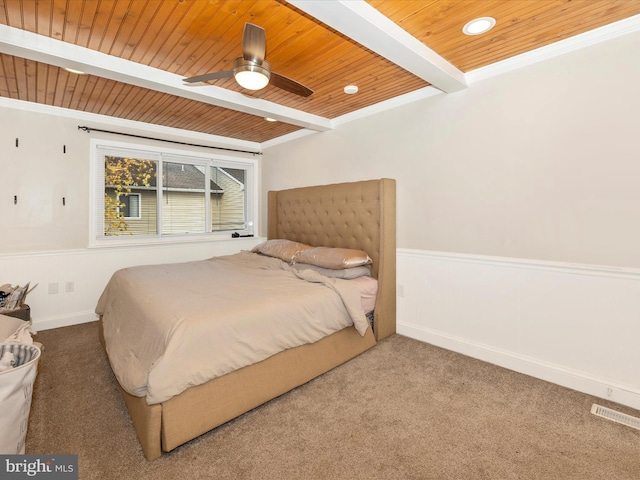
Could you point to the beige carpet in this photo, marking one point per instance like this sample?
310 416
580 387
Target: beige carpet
403 410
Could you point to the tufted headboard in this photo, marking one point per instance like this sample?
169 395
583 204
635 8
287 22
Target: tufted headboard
360 215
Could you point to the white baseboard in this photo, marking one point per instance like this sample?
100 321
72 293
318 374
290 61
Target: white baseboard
65 320
528 366
572 325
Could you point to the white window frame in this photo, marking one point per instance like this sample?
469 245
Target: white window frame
96 174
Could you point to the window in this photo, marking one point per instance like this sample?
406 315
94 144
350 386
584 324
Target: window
148 195
130 206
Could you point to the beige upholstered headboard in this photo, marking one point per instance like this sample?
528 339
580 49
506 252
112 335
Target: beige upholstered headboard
359 215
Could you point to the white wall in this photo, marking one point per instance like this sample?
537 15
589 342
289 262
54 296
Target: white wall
45 242
535 165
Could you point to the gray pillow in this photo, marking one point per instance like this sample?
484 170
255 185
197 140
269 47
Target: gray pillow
345 273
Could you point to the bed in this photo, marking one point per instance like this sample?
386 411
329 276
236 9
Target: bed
355 216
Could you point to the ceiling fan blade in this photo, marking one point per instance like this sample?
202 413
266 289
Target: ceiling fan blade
209 76
289 85
254 43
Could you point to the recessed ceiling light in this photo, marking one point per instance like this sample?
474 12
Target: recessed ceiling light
351 89
77 72
479 26
269 119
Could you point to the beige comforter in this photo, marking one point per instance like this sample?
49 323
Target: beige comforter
173 326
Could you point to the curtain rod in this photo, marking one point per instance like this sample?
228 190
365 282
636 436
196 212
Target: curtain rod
91 129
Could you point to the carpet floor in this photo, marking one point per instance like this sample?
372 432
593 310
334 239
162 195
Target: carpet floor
402 410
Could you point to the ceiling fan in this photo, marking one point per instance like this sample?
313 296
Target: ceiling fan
251 70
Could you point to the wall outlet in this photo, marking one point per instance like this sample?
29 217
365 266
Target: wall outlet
69 287
53 289
400 290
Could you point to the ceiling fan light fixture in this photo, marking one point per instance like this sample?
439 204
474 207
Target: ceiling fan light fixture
479 26
250 75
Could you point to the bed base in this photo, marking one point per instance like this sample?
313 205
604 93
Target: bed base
165 426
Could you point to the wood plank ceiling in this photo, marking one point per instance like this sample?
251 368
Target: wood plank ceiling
191 37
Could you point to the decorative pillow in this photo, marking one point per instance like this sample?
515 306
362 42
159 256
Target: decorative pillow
285 250
346 273
334 258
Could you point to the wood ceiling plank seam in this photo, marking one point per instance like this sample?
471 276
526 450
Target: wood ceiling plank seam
131 103
58 13
109 96
146 34
281 40
146 109
4 13
113 99
169 108
220 24
84 85
70 89
14 13
87 94
28 14
85 27
120 93
175 42
103 17
66 92
73 20
42 18
25 92
96 97
8 88
141 112
260 12
229 32
156 104
111 30
41 82
59 88
130 24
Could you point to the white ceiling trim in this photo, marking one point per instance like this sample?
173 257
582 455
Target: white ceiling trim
363 23
24 44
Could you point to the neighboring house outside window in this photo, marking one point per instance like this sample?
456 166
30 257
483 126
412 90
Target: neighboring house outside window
151 194
130 206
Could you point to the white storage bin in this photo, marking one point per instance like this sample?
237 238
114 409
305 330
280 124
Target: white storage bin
16 390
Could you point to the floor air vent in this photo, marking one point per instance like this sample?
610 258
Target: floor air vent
614 416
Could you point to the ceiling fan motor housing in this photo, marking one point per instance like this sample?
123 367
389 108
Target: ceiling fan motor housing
251 75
